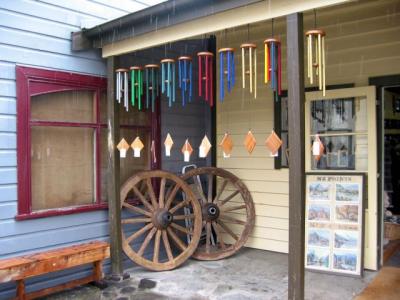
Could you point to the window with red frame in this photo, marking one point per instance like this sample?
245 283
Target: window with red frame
62 142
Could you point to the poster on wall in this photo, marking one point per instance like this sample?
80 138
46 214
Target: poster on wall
334 223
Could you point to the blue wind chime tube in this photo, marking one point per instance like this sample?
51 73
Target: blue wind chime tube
185 75
168 79
151 74
228 55
273 64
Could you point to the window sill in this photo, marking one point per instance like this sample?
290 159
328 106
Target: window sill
67 211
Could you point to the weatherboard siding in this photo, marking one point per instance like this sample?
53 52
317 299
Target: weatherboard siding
38 34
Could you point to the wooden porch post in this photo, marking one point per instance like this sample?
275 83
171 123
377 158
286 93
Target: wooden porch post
113 173
295 71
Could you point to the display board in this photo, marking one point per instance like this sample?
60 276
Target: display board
334 222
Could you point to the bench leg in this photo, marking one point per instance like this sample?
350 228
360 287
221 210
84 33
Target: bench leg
98 275
21 289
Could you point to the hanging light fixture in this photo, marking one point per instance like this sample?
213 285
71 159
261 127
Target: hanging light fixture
168 79
251 49
121 87
185 78
151 74
205 59
316 55
136 86
227 54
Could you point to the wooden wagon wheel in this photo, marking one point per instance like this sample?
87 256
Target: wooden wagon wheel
227 209
160 218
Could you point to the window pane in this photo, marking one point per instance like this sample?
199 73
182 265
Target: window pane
66 106
63 167
128 165
131 117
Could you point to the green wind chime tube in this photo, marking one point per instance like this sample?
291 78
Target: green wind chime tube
151 71
167 79
136 86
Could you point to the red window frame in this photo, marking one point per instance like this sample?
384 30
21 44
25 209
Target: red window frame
33 82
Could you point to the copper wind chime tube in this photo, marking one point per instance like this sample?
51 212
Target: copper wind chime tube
251 49
316 57
206 59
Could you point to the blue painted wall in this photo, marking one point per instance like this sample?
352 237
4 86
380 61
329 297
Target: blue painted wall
37 33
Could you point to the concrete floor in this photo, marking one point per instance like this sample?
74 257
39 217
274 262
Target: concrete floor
250 274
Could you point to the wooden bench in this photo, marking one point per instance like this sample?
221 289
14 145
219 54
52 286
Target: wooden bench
23 267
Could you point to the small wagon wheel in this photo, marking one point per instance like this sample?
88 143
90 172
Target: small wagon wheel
227 209
158 224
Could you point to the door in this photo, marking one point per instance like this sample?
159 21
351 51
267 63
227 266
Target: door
345 121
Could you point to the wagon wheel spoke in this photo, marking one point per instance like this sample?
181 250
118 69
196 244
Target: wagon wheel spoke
220 239
233 208
151 193
181 228
179 206
136 209
135 220
181 245
232 220
139 233
210 188
183 217
157 246
221 190
208 237
147 241
230 197
199 189
171 196
167 246
162 193
142 198
227 230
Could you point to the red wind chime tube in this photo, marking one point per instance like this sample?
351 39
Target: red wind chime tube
200 77
206 76
269 64
211 81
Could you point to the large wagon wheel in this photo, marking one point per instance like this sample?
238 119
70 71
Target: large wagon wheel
227 209
161 217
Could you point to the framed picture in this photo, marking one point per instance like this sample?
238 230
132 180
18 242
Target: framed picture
334 223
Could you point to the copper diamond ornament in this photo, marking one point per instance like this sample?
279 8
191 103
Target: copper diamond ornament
123 146
204 147
187 150
137 146
168 145
273 143
226 145
317 148
250 142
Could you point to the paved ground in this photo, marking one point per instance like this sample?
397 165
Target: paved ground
251 274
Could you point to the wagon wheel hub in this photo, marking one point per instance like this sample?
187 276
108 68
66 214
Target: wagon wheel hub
210 212
162 218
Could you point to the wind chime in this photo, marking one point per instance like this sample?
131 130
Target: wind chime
151 74
273 64
185 68
316 56
205 59
136 86
168 79
251 49
227 54
121 87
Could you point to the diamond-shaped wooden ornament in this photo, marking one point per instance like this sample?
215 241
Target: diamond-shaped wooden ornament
187 150
123 146
137 146
226 145
204 147
250 142
273 143
168 145
317 148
